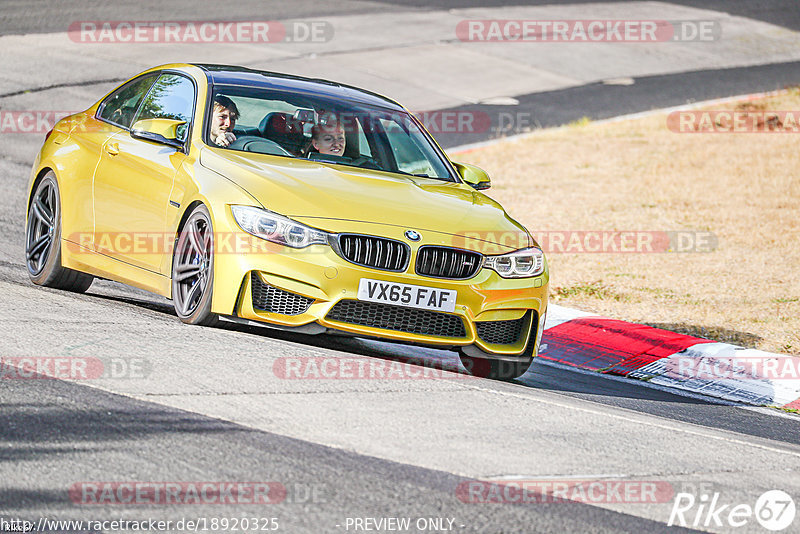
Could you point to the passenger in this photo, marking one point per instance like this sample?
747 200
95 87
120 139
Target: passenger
327 137
223 119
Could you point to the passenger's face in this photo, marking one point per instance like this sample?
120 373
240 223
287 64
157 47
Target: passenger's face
330 141
221 121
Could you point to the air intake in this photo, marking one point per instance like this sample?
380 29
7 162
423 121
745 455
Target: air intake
271 299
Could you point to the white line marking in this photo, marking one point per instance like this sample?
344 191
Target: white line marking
644 419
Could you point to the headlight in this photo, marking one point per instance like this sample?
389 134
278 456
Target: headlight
518 264
277 228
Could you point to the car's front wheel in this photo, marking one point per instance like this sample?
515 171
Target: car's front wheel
495 369
43 241
193 269
489 367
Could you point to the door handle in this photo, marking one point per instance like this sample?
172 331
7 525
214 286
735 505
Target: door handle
112 149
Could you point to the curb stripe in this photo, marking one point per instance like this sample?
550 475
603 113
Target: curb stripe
795 405
612 346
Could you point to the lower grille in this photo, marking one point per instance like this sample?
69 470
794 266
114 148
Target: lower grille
445 262
501 332
399 318
376 252
274 300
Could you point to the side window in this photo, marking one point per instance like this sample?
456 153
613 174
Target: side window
120 106
172 97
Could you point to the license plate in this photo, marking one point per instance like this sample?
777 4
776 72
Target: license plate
427 298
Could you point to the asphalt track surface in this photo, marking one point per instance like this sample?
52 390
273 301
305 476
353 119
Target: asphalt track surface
120 435
212 410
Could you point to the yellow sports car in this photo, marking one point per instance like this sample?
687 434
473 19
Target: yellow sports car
298 203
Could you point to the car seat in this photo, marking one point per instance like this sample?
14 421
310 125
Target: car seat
284 130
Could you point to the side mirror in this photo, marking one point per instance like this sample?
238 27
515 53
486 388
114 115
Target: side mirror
473 176
163 131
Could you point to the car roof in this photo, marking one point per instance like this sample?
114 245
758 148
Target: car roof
232 75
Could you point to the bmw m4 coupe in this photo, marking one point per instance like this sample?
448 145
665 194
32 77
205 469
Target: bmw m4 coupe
299 203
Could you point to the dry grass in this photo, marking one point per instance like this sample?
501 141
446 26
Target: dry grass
638 175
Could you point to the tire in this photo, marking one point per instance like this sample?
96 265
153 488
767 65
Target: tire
193 269
43 241
500 369
495 369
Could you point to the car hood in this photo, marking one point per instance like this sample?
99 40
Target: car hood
327 196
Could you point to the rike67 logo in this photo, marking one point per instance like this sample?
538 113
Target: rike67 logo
774 510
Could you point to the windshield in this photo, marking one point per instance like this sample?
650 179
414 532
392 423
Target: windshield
299 125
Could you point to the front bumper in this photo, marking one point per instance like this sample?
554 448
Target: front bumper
316 280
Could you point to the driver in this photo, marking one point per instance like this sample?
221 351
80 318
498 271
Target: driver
223 119
327 137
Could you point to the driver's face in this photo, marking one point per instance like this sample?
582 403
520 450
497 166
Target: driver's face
221 121
330 141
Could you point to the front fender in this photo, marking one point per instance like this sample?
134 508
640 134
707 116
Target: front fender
197 184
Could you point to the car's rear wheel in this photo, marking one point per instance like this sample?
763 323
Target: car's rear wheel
43 241
193 269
